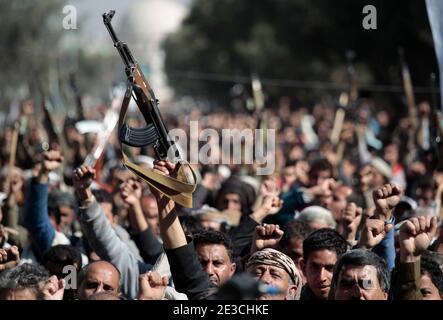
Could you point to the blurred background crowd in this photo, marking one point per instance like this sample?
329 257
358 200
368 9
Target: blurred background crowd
53 102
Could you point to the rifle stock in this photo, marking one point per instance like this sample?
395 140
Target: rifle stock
347 104
259 102
410 101
48 123
77 97
409 91
353 86
12 154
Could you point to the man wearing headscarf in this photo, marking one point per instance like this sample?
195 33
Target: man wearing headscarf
276 269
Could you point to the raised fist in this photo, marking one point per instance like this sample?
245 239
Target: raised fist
269 188
385 199
9 258
373 233
83 177
350 220
51 160
415 237
271 205
53 289
164 167
266 236
131 192
152 286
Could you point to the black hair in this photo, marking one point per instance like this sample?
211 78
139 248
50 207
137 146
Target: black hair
425 182
25 276
324 239
294 228
63 255
321 164
190 224
430 267
244 190
290 163
361 258
208 169
103 196
214 237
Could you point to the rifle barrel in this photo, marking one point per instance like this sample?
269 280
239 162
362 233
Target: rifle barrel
122 48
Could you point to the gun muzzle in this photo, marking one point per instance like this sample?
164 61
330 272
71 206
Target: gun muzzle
107 17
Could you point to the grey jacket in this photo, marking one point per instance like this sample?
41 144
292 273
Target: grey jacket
104 240
126 238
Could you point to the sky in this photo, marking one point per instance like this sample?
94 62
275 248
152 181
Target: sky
89 13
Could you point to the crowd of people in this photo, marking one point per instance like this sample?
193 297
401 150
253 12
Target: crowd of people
356 218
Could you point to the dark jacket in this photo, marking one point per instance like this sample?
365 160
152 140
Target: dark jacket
187 272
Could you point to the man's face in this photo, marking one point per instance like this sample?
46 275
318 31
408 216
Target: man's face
391 153
289 175
150 210
67 216
215 261
338 202
318 272
428 288
273 276
365 177
231 201
295 250
318 177
359 283
100 277
378 179
425 194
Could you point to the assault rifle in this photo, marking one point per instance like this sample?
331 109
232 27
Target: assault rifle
77 97
155 134
177 186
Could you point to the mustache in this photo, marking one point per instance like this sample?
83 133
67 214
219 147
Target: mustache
213 282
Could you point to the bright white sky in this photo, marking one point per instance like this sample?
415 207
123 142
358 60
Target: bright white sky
91 11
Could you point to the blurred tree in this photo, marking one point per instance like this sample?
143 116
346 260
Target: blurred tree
33 41
28 38
297 39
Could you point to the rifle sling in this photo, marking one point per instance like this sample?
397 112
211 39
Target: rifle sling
178 189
